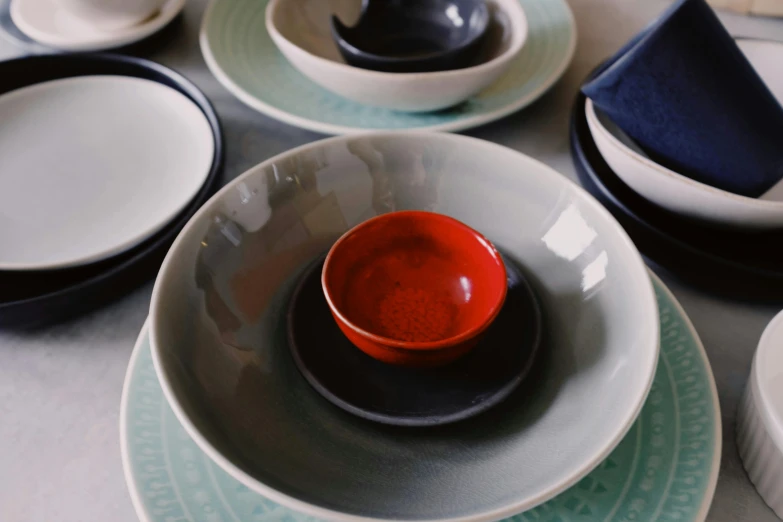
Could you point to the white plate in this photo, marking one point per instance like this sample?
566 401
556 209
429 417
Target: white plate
47 22
94 165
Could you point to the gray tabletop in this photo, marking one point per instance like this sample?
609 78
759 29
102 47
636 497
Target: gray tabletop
60 387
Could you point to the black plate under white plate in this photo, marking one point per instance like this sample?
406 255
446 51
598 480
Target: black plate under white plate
744 264
359 384
36 297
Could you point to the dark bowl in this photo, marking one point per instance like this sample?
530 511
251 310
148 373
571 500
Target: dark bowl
413 35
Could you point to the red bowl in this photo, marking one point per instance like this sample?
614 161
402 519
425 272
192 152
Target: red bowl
414 288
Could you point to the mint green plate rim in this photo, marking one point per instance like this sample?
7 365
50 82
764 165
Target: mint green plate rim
381 119
575 501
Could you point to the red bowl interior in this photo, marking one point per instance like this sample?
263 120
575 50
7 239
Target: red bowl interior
419 279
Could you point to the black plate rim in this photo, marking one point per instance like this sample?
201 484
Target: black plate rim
47 67
417 421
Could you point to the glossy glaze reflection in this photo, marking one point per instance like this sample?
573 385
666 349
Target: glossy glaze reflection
221 346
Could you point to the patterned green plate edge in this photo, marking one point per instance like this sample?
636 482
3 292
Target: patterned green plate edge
579 506
455 125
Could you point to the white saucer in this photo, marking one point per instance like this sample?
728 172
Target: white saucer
47 22
93 165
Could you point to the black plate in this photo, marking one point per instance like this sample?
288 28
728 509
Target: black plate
361 385
735 263
37 298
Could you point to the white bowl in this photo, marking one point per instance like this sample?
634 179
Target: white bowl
760 418
300 29
219 343
681 194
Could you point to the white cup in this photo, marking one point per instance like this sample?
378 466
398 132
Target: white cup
112 15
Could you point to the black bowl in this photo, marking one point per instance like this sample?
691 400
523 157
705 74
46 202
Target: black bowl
414 35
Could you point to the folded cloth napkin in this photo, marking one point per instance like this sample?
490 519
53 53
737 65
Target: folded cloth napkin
683 90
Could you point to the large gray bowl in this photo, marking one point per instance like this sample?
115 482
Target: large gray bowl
219 338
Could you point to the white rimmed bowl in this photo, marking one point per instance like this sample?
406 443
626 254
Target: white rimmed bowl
300 29
219 342
760 418
681 194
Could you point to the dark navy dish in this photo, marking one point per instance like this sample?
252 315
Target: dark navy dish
414 35
684 91
746 265
363 386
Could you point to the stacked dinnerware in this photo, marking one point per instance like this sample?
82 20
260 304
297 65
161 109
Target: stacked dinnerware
677 135
84 25
373 327
306 62
104 160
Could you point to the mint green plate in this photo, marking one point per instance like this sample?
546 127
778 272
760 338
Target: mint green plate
242 56
665 469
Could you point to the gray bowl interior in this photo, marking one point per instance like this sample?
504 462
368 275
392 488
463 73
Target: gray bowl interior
219 336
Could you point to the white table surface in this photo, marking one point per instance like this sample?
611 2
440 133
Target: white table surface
60 387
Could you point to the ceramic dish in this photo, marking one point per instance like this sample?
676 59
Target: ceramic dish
108 159
686 94
414 288
419 36
737 263
365 387
113 16
11 33
760 418
683 195
48 23
236 50
665 468
219 338
307 43
39 297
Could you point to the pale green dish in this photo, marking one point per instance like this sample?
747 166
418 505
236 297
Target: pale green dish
665 469
242 56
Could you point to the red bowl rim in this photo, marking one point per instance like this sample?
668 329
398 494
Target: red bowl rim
429 345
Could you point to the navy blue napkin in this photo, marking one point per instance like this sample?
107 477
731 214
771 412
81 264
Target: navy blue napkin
683 90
